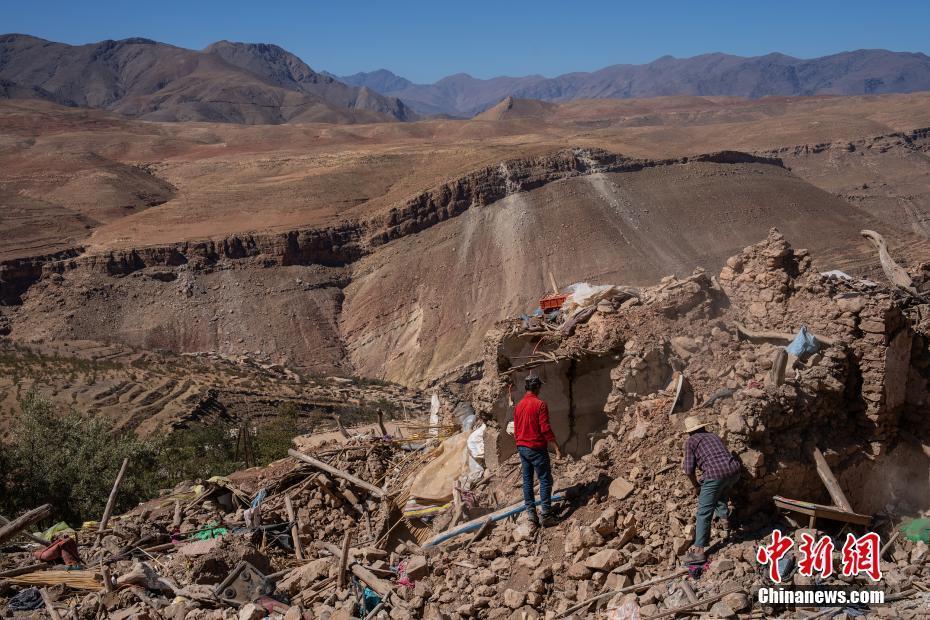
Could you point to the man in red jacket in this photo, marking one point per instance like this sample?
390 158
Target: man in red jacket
533 434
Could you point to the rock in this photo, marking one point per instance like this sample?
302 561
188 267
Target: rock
524 531
605 560
721 610
724 565
500 565
620 488
524 613
737 601
581 538
618 581
486 578
578 570
543 573
417 567
251 611
606 523
293 613
514 598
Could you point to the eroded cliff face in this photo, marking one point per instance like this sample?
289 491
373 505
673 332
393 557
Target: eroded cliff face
409 294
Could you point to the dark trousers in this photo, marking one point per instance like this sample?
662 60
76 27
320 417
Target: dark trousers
536 461
712 500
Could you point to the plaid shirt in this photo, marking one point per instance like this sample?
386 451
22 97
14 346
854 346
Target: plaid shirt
707 452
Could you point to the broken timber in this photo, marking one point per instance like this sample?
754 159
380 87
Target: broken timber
337 472
25 520
30 536
830 481
816 511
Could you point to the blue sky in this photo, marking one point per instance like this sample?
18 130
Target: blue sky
424 41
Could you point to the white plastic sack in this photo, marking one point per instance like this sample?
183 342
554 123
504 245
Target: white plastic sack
475 447
582 294
434 414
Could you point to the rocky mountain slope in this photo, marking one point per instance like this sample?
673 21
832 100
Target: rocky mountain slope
848 73
388 249
227 82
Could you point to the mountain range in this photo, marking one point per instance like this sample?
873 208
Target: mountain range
859 72
260 83
227 82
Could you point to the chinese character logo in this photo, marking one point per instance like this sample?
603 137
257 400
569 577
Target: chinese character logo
861 555
858 555
771 554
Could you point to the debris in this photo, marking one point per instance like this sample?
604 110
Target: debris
816 511
244 584
620 488
475 524
896 274
337 472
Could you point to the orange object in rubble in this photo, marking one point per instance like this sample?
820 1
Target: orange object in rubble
552 302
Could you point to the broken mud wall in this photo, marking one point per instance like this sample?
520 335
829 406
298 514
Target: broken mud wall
850 398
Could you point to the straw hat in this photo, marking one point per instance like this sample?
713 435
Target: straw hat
693 423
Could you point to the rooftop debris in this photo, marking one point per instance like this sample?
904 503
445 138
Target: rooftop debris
337 529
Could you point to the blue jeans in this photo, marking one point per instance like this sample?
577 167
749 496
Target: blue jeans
712 500
536 461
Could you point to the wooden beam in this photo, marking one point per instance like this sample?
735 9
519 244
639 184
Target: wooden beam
341 576
112 499
295 532
23 521
829 481
382 587
337 472
30 536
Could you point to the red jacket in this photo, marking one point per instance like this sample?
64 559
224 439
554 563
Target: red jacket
531 423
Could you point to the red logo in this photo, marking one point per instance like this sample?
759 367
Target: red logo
861 555
858 555
770 554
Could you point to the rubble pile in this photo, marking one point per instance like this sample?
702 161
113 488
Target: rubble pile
788 365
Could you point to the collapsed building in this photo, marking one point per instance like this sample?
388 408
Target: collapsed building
620 371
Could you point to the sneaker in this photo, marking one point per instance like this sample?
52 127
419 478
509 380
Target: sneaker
694 557
549 521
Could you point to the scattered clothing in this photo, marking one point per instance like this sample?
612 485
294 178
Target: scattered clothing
531 423
27 600
536 461
803 344
63 548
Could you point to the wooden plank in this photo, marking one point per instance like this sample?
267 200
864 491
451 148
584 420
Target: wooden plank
341 580
23 521
382 587
337 472
830 481
295 536
821 511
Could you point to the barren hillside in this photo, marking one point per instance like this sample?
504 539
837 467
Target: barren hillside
388 249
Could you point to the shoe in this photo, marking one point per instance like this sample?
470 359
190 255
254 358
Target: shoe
725 524
549 521
694 557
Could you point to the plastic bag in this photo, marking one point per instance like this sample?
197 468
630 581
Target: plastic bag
803 344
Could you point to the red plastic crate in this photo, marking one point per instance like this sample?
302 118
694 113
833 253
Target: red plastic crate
552 302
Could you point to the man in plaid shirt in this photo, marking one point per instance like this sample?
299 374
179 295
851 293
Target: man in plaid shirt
719 474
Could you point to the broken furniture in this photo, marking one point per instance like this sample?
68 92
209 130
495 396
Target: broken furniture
815 511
